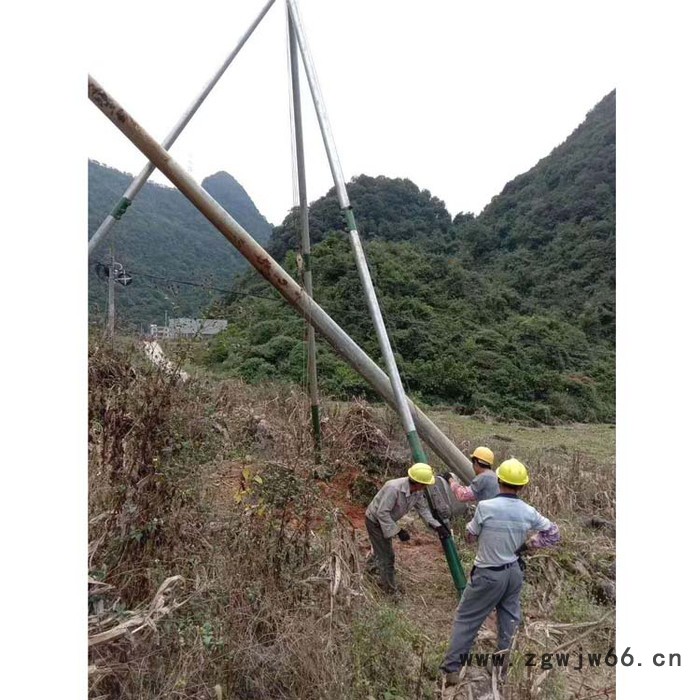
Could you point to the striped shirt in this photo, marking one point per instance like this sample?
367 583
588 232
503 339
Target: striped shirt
502 525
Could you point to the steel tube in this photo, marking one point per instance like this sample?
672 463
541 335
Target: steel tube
384 343
305 238
140 180
260 259
319 106
360 261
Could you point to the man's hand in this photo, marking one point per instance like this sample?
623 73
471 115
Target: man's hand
443 532
520 551
446 476
403 535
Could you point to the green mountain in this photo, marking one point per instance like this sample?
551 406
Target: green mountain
163 242
385 208
510 313
550 235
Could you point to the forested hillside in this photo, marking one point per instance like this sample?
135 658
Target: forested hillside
385 208
163 239
510 313
550 235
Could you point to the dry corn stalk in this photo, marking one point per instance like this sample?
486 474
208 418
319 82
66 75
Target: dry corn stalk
148 618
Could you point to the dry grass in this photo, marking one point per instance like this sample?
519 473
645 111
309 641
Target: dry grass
192 595
220 567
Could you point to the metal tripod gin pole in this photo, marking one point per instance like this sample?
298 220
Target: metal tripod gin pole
417 451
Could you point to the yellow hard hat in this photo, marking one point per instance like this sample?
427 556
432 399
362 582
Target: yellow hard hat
483 454
422 473
513 472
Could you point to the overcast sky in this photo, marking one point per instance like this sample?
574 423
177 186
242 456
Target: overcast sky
459 97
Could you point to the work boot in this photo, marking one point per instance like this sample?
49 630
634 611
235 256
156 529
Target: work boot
390 588
388 581
451 678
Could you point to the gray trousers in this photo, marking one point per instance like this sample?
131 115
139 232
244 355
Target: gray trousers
487 590
383 554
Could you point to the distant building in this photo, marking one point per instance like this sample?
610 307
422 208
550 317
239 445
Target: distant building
183 327
195 327
212 326
158 332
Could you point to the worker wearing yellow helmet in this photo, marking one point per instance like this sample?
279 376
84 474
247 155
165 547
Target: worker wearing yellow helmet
390 504
484 485
501 526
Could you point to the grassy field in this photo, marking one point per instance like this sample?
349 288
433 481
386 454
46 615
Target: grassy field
594 440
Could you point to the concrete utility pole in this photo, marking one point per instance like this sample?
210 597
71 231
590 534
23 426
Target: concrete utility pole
140 180
260 259
305 239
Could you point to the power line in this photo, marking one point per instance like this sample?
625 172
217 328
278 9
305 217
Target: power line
393 319
194 284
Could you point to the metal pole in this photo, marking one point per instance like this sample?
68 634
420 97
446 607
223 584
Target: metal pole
370 294
320 107
110 299
140 180
261 260
305 238
417 451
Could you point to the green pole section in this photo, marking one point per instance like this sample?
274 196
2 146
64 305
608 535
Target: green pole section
418 455
121 206
416 448
449 547
350 219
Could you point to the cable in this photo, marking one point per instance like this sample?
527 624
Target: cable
441 323
196 284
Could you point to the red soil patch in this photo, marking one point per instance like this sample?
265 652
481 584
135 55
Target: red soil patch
338 491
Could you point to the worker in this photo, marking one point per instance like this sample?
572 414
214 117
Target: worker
484 485
389 505
501 527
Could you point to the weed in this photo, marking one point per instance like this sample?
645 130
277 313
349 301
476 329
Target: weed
385 645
